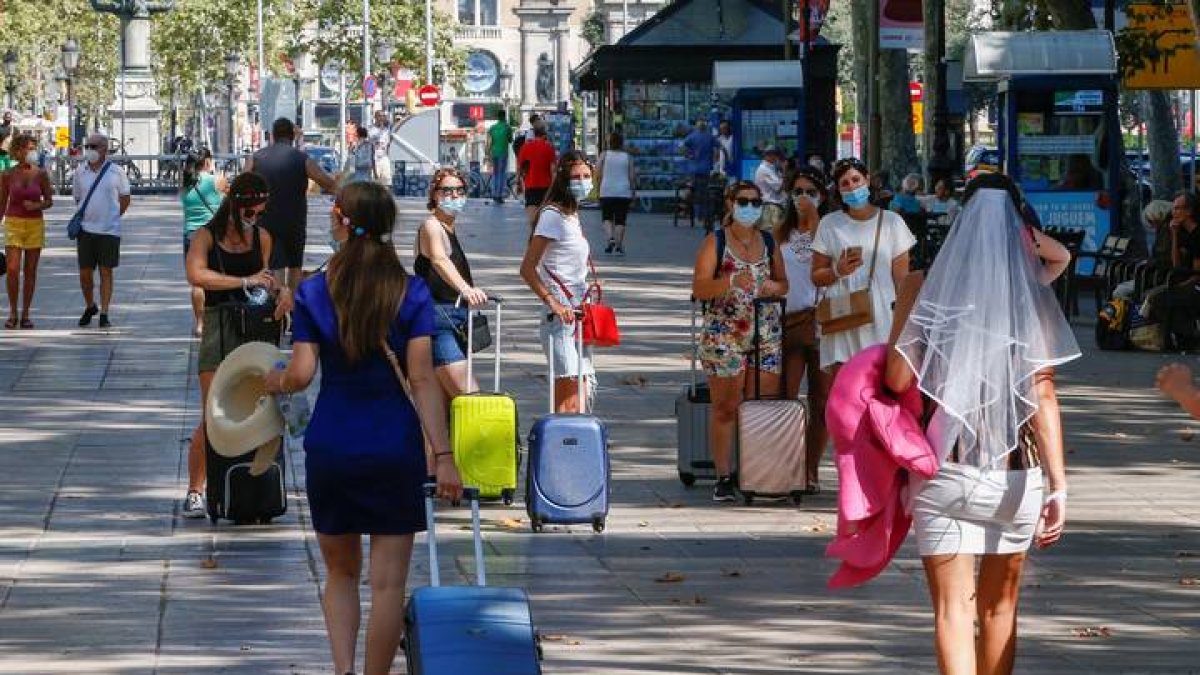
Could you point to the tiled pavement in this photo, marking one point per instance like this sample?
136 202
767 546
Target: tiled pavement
98 574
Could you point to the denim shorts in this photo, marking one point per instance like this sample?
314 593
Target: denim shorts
559 343
448 320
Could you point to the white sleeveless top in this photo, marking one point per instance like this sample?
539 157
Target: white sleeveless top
615 181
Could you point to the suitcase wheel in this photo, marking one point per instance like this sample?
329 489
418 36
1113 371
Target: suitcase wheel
688 479
748 499
507 497
212 518
535 523
797 497
597 525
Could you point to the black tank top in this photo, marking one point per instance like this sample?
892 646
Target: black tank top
243 264
442 292
284 168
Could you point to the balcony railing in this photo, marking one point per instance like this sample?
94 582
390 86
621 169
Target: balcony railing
478 33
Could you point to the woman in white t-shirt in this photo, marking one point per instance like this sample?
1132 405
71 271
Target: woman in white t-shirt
618 187
842 254
555 267
805 191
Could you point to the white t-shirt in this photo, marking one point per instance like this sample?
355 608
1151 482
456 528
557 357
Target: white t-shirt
103 215
614 182
566 256
797 260
381 137
837 232
770 182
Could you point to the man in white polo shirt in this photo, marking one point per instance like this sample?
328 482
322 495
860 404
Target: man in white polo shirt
99 245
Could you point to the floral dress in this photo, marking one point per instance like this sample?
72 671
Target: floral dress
727 337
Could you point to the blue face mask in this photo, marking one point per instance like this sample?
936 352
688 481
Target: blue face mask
747 215
581 188
858 197
334 244
453 205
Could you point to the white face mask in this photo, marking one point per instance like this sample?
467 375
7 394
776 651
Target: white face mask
31 157
92 156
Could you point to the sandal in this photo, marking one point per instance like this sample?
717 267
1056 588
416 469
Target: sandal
26 324
10 324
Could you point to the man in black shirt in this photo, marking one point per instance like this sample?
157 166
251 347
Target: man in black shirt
1178 307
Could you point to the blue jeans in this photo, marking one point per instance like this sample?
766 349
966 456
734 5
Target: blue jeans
500 177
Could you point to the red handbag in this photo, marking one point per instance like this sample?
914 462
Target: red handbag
599 320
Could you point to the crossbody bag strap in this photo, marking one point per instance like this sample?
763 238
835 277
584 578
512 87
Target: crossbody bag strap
203 200
570 296
875 251
92 190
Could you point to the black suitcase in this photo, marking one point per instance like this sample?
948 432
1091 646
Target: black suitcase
234 494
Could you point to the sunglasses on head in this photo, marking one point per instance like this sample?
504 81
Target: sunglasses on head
452 190
748 201
811 192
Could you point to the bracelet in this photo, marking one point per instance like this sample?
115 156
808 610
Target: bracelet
1056 496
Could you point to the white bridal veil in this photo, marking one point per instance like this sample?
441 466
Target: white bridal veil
982 326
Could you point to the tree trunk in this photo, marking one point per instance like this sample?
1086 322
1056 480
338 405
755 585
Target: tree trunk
860 18
1162 142
899 150
935 22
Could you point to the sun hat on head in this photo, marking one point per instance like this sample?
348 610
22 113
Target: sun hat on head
240 416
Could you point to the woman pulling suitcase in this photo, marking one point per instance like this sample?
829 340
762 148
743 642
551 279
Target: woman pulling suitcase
364 449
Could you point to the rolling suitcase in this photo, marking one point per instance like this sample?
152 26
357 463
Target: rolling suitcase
692 408
568 480
468 629
233 493
771 438
483 430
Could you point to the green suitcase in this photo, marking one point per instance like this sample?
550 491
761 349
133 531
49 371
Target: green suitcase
483 430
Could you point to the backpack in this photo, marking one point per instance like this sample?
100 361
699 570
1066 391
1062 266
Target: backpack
768 240
1113 324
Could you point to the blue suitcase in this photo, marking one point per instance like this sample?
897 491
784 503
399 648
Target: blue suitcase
569 474
453 630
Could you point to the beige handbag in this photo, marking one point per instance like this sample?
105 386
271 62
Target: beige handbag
843 312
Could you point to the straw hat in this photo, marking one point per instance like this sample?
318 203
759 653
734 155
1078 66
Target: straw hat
239 415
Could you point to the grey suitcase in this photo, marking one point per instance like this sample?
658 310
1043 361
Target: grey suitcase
692 408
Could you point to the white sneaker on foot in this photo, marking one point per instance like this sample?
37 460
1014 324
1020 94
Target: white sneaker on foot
193 505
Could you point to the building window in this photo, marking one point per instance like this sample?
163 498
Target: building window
477 12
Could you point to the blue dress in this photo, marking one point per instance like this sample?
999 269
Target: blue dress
364 451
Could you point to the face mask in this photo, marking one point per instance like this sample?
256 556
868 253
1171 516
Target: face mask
92 156
31 158
581 188
453 205
334 244
806 199
747 215
858 197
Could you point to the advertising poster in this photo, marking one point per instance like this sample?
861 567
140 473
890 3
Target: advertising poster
1074 210
901 25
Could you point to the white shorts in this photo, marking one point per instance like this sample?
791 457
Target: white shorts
559 343
973 511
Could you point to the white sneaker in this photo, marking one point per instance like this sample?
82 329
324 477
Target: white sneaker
193 505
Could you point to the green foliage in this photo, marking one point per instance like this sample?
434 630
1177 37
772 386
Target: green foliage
595 30
190 43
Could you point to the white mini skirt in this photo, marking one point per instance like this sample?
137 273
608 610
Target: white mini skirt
972 511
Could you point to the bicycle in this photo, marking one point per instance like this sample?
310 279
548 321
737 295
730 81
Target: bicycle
118 156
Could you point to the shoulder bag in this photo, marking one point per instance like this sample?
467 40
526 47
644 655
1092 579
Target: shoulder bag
251 321
847 311
599 322
75 225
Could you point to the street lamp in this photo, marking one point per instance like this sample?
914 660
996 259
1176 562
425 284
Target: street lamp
384 51
10 74
70 63
506 78
232 64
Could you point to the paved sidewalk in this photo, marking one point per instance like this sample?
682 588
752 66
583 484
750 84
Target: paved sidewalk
98 574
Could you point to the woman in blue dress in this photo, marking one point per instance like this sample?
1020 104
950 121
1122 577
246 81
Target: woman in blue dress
364 455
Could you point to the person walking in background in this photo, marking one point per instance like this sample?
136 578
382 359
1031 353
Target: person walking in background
535 169
200 194
226 257
844 247
750 268
99 244
725 150
700 149
555 268
981 342
801 341
364 447
360 165
287 170
769 179
442 264
618 188
25 194
380 135
499 138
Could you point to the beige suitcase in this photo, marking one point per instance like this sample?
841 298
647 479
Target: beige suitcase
771 441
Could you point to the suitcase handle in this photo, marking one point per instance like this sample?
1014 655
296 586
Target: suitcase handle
472 496
498 301
578 324
694 352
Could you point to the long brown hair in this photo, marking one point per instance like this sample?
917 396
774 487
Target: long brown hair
559 192
366 278
792 222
